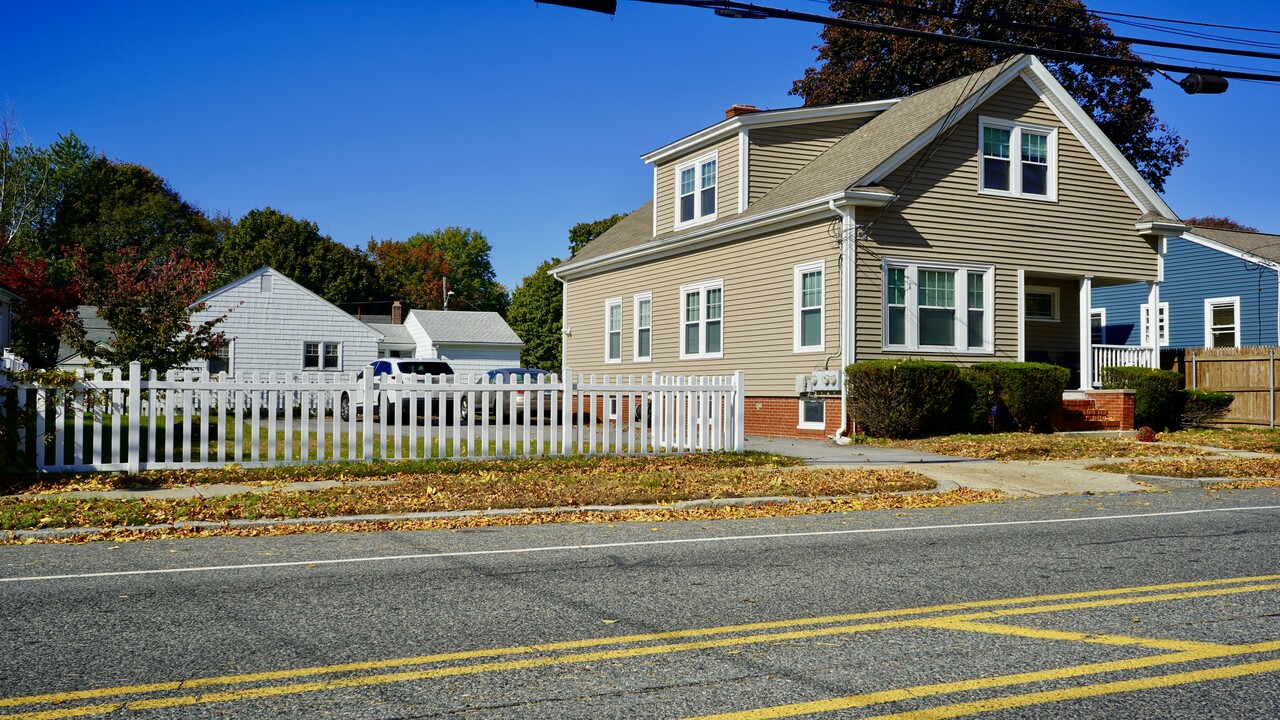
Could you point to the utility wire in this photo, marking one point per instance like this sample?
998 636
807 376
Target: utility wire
1074 32
1186 22
759 11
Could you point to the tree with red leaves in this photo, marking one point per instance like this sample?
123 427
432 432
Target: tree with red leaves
149 305
1219 222
48 304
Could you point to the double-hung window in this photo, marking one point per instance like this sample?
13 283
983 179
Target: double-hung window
1041 303
1017 159
1098 326
932 307
696 190
808 323
321 356
644 327
1144 323
221 360
702 320
1222 322
613 330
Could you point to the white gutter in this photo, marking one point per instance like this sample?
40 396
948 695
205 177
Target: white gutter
564 321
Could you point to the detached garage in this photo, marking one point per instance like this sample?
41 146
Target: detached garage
472 342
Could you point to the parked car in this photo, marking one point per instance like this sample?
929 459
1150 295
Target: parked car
396 372
541 402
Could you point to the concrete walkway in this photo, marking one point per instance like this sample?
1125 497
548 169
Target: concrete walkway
1019 478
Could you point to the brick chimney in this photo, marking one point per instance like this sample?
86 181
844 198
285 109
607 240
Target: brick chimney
736 110
397 313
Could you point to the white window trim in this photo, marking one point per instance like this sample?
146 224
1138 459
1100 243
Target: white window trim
797 296
1054 293
697 164
1015 158
1144 320
231 359
702 289
325 344
1099 312
608 305
962 304
1234 301
635 335
802 425
321 344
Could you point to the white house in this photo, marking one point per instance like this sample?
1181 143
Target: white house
471 342
7 300
275 324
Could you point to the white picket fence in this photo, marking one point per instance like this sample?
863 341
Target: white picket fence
188 419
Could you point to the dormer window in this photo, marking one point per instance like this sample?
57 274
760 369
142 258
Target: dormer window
696 191
1017 160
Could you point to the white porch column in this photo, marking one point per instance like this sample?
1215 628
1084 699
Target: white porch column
1086 332
1153 322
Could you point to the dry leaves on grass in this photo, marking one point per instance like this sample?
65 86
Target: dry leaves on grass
1198 468
1250 439
480 488
1026 446
960 496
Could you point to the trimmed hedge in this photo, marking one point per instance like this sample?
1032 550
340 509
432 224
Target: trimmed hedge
1026 392
1204 407
901 398
913 398
1158 394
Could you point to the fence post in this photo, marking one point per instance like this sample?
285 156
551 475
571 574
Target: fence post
366 418
1271 387
566 412
135 417
739 417
1193 370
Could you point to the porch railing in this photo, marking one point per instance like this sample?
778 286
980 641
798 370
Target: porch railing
1118 356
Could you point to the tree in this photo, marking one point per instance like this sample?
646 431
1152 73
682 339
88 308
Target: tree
48 303
148 306
33 181
417 268
268 237
412 272
1219 222
583 233
535 315
856 65
110 205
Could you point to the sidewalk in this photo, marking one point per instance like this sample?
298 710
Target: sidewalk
1018 478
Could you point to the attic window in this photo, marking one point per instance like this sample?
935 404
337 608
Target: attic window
265 284
1016 159
696 190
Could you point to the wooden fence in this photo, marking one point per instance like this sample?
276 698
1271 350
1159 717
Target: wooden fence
189 419
1249 373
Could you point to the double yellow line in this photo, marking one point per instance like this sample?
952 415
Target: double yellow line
953 616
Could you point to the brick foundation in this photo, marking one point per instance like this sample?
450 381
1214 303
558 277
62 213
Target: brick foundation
779 416
1095 410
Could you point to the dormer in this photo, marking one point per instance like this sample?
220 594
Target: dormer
719 171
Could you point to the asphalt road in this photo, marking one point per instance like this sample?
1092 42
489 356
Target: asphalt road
1134 606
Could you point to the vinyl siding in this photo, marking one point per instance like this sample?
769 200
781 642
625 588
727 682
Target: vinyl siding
776 153
726 182
758 276
1192 274
268 329
941 216
478 359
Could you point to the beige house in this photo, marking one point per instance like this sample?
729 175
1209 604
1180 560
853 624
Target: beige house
966 223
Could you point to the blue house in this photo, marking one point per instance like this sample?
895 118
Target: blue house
1220 288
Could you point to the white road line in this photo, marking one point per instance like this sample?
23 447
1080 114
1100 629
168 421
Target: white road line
634 543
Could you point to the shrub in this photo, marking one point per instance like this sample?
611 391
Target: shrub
1205 406
1027 392
971 408
1158 395
1146 434
901 398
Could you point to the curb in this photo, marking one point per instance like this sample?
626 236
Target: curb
1179 483
57 533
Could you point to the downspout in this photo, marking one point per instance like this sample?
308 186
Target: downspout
848 248
564 320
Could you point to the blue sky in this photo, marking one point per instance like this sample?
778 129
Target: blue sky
519 120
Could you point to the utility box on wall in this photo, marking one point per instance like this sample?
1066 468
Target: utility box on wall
818 382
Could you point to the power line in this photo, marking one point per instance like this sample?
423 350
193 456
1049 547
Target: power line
1186 22
738 9
1075 32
